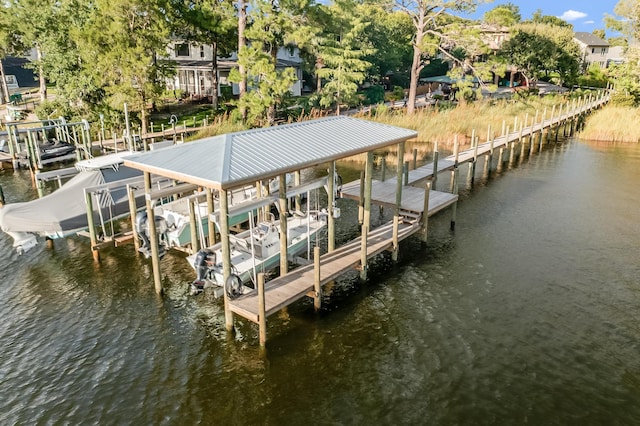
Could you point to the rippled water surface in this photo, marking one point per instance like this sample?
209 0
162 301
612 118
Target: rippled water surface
528 314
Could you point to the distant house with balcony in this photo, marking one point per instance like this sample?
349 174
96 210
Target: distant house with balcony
194 63
594 49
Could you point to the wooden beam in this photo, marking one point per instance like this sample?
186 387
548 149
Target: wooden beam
226 254
153 236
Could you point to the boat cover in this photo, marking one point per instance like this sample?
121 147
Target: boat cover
65 210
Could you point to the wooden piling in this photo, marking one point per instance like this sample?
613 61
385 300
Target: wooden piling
296 182
317 297
435 164
361 201
383 172
262 314
406 173
331 221
454 206
153 236
92 227
226 254
193 225
210 210
396 213
415 158
366 223
132 215
424 219
284 265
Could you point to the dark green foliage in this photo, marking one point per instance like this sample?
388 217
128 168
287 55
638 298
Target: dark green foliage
374 94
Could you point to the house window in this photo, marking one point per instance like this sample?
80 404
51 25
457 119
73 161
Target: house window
593 50
10 79
201 51
182 49
604 51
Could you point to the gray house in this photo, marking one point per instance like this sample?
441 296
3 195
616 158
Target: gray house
594 49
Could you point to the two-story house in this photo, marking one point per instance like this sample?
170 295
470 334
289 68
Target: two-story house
194 69
594 49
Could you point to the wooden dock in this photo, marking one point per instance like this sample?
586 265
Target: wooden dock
283 291
308 280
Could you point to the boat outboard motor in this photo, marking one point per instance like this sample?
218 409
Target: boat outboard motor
142 229
203 259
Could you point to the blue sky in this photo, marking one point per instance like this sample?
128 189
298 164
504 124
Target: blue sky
585 15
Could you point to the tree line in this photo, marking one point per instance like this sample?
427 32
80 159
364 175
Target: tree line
100 54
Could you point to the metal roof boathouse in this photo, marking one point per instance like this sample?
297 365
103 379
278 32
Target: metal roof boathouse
229 161
235 159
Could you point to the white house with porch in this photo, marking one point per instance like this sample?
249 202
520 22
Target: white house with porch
194 69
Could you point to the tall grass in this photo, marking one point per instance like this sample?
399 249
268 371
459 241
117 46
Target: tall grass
613 124
442 126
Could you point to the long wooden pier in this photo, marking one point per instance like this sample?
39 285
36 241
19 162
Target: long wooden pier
412 194
305 281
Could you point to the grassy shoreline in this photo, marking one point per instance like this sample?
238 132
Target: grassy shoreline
609 124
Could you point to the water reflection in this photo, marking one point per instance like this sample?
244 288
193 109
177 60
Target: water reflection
526 314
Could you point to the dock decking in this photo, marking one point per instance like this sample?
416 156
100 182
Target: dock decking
285 290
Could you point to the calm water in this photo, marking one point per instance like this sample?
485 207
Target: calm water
528 314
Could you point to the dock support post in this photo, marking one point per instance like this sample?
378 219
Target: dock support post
226 254
153 236
415 158
262 317
474 143
454 207
296 182
211 224
383 173
194 227
424 220
132 213
406 173
284 265
331 221
435 164
455 162
361 201
396 213
317 297
92 227
366 223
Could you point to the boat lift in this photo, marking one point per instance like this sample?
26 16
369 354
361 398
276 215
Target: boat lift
25 139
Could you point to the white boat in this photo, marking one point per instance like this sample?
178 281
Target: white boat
64 212
177 213
255 250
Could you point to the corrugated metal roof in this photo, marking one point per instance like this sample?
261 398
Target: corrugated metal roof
234 159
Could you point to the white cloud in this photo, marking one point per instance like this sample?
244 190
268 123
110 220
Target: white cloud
589 22
572 15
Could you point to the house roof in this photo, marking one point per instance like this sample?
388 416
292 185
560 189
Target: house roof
235 159
590 39
16 66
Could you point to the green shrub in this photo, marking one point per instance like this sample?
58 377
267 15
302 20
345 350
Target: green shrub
397 93
623 99
374 94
